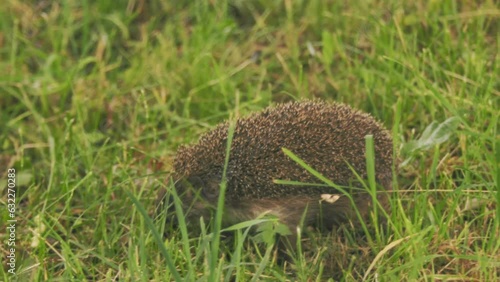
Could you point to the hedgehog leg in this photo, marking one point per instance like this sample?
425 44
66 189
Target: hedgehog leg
354 212
342 211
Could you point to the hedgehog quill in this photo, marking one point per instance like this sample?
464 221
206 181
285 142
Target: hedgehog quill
329 137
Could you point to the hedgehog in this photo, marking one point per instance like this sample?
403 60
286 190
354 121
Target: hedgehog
329 137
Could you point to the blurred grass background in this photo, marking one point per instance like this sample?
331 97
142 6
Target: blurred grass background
95 97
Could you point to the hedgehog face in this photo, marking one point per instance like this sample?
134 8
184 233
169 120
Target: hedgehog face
198 194
203 186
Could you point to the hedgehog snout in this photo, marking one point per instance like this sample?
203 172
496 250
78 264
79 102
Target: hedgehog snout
194 201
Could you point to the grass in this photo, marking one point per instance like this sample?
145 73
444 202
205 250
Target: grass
96 96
